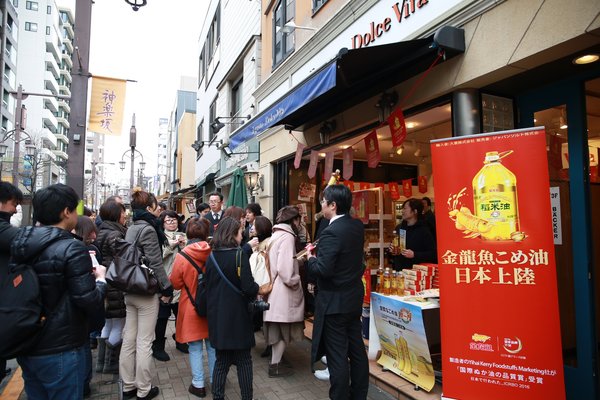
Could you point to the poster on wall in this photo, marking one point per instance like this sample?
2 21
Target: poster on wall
402 339
499 319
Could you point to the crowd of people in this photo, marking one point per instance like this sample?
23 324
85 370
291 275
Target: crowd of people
245 266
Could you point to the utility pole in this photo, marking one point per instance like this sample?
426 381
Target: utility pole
17 135
79 90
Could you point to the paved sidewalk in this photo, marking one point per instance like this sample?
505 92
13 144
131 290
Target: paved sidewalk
174 377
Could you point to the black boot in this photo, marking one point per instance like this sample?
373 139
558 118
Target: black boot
158 346
111 362
158 349
101 355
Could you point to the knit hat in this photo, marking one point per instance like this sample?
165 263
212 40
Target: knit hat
286 214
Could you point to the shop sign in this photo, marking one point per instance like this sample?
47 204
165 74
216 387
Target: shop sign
390 19
556 216
499 317
328 163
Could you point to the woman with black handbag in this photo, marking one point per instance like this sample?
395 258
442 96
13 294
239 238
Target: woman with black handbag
230 290
142 310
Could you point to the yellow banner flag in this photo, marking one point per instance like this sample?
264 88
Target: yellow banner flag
107 105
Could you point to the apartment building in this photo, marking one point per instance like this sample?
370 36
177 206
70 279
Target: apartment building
44 68
229 72
8 64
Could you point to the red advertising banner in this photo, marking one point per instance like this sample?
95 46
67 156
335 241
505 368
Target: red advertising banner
397 127
499 316
372 149
422 184
407 187
348 155
312 166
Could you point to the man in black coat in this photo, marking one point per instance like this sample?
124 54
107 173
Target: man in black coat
215 201
10 197
338 270
71 290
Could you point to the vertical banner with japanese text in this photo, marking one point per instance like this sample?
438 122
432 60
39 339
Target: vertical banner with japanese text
499 315
107 105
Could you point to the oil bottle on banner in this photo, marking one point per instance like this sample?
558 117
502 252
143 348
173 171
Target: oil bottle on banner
495 197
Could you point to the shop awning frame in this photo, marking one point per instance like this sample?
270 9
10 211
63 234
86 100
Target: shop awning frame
352 77
366 72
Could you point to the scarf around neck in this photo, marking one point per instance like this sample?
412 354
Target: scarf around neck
153 221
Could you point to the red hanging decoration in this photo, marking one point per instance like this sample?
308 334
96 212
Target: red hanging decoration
348 163
397 127
372 147
394 190
407 187
314 161
328 163
299 151
422 184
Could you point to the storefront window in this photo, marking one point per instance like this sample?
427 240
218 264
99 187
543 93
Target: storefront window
555 119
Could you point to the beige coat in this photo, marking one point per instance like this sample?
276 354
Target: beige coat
287 297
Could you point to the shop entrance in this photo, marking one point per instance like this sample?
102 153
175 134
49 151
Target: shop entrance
562 110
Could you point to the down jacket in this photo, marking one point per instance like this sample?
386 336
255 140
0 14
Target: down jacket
107 233
68 289
189 326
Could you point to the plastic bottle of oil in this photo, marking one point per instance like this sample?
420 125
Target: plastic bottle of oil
394 283
379 285
395 243
387 284
495 198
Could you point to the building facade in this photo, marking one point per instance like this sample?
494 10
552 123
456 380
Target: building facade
332 71
229 72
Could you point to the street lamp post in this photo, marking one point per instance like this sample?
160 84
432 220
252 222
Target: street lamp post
134 152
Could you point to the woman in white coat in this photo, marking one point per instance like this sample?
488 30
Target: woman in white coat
284 321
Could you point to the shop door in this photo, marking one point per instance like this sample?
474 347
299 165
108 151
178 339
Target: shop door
561 109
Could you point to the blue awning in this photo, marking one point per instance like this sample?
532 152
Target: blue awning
352 77
304 93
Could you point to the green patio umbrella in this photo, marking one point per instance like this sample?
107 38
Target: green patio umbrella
237 194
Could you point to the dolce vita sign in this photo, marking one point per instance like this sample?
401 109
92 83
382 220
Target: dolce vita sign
392 21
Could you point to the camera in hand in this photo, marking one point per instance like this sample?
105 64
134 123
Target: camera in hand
258 306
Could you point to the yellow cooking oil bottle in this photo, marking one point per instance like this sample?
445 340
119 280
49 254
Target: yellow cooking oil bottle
495 197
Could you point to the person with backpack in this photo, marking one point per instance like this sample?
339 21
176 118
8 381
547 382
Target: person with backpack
70 291
191 327
142 310
112 227
10 199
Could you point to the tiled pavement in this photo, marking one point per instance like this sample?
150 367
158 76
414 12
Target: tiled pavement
174 377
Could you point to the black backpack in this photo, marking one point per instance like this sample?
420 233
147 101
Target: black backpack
199 300
22 314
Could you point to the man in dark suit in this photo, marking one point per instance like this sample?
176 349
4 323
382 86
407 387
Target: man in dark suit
338 270
215 202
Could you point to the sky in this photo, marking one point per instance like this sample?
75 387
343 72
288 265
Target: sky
154 46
